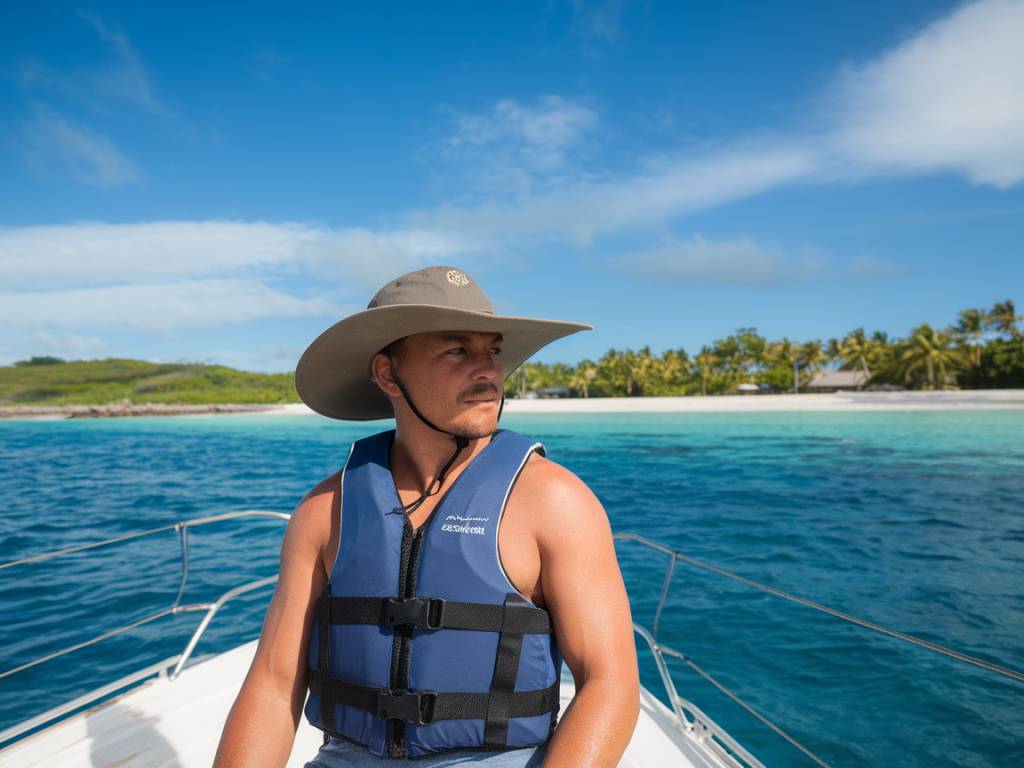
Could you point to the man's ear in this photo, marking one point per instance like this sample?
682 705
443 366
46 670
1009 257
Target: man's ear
380 369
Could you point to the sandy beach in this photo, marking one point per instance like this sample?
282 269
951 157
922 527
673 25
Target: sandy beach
965 400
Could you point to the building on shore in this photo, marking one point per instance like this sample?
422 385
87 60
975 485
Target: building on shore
547 392
838 381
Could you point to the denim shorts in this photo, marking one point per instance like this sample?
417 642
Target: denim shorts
338 753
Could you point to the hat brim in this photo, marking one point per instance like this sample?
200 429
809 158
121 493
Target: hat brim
333 374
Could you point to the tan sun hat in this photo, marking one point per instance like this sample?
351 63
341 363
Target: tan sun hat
333 375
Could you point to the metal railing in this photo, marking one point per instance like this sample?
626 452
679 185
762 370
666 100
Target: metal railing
693 722
698 725
160 668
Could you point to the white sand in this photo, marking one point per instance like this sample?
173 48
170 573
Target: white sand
965 400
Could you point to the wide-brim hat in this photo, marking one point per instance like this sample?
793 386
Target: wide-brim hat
333 375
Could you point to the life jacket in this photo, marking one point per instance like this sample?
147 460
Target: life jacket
428 644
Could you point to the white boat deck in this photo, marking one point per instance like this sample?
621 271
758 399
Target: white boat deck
178 723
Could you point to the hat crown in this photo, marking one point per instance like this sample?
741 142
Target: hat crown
440 286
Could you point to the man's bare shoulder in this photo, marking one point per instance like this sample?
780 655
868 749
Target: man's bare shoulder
559 497
316 514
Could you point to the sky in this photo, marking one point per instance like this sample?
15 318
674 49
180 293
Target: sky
191 183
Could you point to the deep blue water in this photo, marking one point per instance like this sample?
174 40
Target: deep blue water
914 520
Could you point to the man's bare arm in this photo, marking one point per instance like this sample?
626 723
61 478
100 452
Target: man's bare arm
260 728
587 599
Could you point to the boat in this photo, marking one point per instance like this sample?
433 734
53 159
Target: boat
170 712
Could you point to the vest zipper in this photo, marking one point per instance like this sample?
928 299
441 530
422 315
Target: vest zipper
395 729
401 647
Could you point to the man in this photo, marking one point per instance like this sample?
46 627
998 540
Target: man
443 638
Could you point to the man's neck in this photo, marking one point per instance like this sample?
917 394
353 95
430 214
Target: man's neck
417 456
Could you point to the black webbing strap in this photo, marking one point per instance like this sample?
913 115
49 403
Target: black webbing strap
430 706
437 613
323 661
503 683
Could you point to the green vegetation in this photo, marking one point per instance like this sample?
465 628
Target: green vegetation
51 381
983 350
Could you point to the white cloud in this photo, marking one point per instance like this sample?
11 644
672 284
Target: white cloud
92 253
156 307
539 136
90 156
951 98
585 209
727 262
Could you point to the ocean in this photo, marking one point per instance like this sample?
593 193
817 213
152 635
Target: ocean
913 520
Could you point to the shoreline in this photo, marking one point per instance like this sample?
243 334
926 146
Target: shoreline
959 400
115 410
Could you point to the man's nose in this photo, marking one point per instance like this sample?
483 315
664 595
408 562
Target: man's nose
488 363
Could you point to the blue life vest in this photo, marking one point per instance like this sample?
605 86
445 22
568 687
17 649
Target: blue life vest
428 644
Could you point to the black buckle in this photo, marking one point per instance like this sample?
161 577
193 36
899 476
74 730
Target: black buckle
421 612
406 705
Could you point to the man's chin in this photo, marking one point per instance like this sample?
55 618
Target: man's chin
473 426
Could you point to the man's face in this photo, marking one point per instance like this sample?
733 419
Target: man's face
453 377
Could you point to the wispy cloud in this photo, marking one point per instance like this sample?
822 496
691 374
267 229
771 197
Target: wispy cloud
584 209
128 80
539 135
67 344
867 267
157 307
739 262
598 21
123 78
49 140
514 148
92 253
273 357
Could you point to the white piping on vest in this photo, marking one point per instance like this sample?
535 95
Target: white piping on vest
341 506
501 513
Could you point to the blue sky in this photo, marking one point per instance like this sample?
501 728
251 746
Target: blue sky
199 184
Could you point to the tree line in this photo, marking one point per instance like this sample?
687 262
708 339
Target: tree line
983 349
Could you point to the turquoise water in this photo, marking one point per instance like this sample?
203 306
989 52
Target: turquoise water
908 519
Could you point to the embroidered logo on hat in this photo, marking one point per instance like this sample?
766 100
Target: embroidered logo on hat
456 277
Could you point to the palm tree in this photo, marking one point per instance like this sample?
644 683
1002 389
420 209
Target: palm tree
728 354
613 371
643 367
1004 318
969 330
833 350
786 351
674 365
705 362
856 350
582 377
933 350
812 355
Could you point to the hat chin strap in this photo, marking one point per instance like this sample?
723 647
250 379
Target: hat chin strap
460 443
